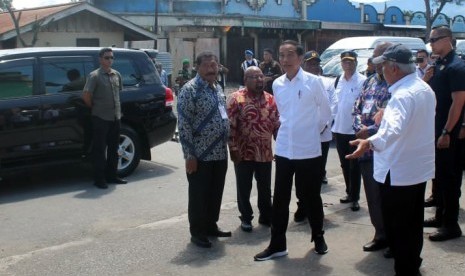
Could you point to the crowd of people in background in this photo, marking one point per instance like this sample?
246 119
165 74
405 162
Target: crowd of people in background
397 125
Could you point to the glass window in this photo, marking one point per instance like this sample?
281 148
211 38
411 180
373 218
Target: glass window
135 71
63 74
16 78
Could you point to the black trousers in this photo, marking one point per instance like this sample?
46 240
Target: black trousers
324 154
448 182
308 177
205 194
245 172
403 215
105 138
350 167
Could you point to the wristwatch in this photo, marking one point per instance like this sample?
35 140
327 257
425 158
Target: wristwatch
445 132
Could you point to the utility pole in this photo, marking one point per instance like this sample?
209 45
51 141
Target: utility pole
155 25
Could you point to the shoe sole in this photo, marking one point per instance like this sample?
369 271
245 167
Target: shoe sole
272 256
321 252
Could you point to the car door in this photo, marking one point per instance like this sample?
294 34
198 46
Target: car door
65 118
20 130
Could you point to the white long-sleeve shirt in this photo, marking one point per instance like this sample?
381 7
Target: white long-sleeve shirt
347 91
404 143
328 84
303 112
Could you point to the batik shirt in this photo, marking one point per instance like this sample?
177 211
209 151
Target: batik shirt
202 121
375 95
254 121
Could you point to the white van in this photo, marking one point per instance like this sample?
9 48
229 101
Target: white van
368 42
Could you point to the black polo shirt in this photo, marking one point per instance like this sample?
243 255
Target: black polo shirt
448 78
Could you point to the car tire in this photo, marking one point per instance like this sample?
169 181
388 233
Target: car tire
129 151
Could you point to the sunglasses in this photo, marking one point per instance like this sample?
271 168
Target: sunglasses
108 57
434 39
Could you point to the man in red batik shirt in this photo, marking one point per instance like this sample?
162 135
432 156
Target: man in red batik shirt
254 120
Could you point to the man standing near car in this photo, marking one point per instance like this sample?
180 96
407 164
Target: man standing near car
204 132
347 91
101 94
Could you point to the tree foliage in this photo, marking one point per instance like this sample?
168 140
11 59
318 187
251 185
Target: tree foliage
439 5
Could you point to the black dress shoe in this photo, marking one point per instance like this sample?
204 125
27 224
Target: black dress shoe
101 184
388 254
445 233
432 222
345 199
264 221
117 180
201 241
375 245
355 206
325 180
219 233
299 215
430 202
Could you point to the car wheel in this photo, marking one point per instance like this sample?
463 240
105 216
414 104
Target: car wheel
128 151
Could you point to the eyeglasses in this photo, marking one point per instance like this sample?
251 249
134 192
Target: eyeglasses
255 77
108 57
434 39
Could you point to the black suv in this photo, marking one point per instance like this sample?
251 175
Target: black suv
43 119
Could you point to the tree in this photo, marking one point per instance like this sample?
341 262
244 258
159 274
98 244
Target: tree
430 18
5 5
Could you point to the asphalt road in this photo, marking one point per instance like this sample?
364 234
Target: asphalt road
54 222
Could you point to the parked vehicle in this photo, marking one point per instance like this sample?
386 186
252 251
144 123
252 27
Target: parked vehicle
43 119
367 42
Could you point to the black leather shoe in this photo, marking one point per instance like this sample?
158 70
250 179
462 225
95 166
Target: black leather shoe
430 202
219 233
355 206
101 184
388 254
345 199
432 222
444 234
325 180
117 180
264 221
201 241
299 215
375 245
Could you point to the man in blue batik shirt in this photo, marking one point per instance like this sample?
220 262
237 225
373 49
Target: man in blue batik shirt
368 106
204 131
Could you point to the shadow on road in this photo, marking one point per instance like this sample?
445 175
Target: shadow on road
67 178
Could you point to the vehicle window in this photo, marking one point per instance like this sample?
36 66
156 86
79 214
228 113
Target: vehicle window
64 74
135 71
127 69
16 78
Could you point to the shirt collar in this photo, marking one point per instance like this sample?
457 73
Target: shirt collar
393 88
203 84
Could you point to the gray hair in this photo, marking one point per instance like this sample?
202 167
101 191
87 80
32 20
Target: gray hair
404 68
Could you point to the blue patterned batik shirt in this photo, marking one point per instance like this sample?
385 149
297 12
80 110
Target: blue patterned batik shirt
202 121
375 95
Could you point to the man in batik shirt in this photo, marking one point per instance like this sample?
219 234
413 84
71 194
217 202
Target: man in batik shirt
254 121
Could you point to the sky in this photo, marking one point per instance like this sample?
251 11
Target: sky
410 5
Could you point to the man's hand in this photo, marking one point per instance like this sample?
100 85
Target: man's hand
428 74
443 142
363 133
362 147
191 165
235 156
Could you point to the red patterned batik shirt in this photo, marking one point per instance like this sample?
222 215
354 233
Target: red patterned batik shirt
254 120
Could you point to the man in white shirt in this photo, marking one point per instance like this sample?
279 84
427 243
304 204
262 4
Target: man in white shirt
348 89
304 112
403 156
422 62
